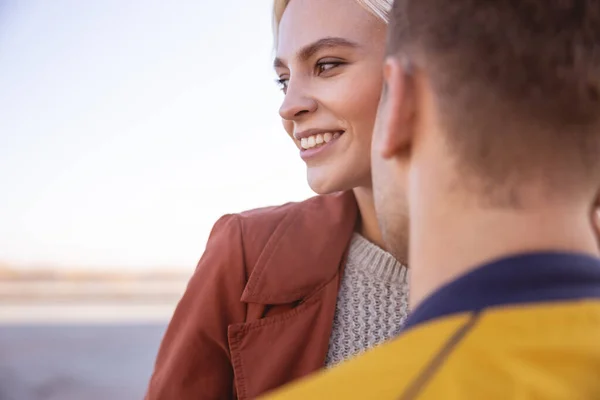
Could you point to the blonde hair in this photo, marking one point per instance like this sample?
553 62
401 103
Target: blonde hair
379 8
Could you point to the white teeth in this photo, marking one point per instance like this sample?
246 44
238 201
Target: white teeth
318 139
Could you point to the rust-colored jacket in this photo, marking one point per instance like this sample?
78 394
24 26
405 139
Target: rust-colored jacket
258 311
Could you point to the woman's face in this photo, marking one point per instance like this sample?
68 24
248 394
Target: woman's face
329 63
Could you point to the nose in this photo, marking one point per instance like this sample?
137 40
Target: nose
297 103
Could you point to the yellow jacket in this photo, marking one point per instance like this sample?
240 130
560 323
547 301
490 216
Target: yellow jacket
524 327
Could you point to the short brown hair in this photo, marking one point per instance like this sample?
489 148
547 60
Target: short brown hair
517 82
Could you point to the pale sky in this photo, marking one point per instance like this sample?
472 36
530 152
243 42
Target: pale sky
127 127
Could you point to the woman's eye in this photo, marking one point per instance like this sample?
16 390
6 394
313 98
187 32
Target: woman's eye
282 83
326 66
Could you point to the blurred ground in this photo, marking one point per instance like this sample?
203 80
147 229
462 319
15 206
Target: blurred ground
77 362
82 335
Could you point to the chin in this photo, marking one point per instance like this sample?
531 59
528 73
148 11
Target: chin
321 187
323 181
326 181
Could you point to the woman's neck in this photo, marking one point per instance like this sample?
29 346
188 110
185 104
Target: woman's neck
367 224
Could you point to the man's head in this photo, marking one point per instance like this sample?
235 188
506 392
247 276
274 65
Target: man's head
495 102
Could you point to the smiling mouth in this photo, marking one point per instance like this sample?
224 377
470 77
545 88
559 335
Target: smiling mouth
319 139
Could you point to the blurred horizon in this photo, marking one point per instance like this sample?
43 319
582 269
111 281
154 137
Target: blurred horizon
63 269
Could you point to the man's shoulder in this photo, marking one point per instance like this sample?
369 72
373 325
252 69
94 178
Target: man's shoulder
542 349
383 373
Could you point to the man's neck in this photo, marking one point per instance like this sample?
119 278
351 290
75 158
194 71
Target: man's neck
446 244
367 224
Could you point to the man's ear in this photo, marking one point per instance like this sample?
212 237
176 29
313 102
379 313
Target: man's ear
396 109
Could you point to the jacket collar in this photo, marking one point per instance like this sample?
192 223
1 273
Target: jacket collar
513 281
305 250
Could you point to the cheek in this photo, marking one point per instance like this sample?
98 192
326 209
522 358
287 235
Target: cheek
360 106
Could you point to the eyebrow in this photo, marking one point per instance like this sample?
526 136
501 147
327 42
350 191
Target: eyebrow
311 49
